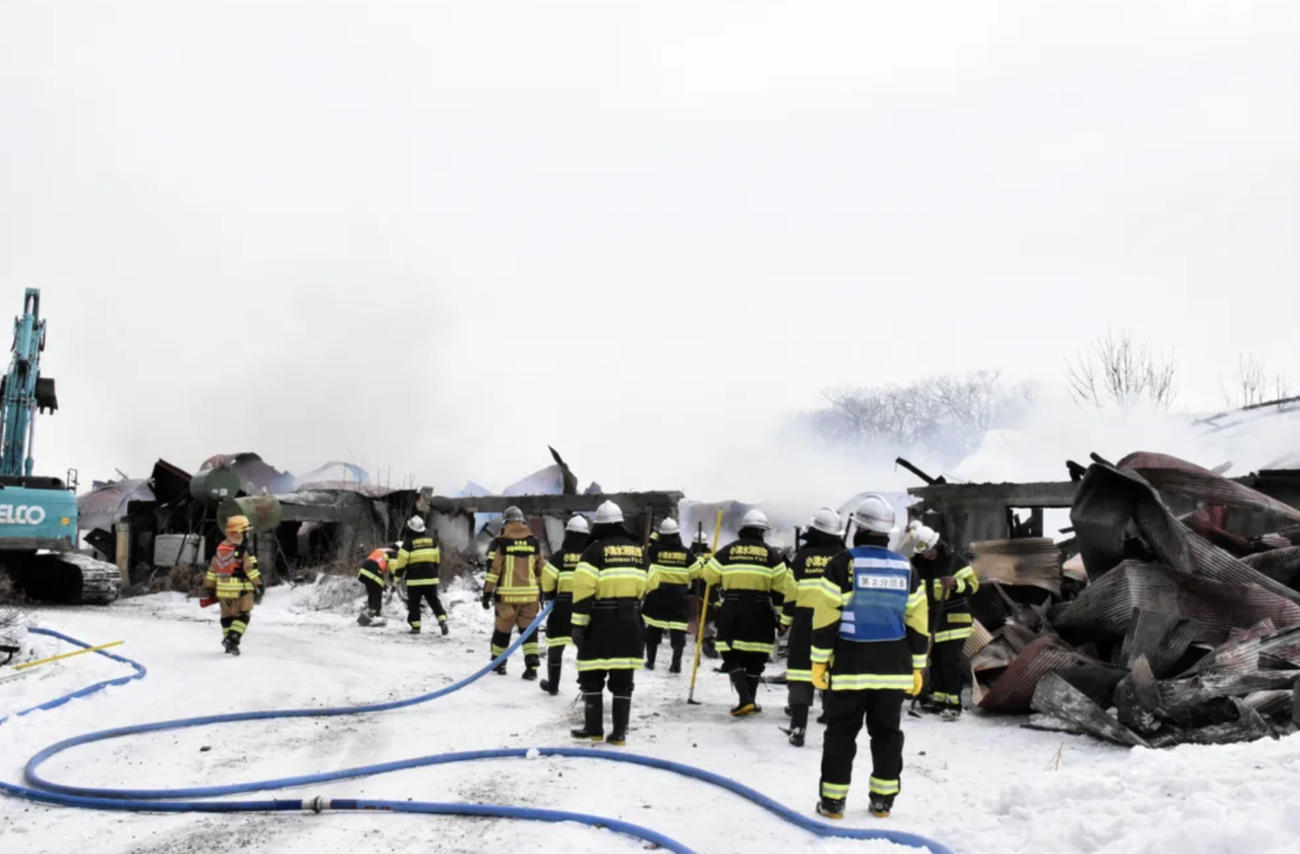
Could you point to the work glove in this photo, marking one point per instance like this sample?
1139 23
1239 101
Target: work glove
948 582
918 681
578 634
820 676
487 600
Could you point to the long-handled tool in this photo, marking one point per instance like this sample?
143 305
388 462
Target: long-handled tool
66 655
704 613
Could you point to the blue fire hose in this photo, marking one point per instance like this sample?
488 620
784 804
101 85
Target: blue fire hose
179 800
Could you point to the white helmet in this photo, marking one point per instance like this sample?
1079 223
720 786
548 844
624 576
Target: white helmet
827 521
514 514
609 513
925 538
914 524
755 519
416 524
875 514
578 524
668 527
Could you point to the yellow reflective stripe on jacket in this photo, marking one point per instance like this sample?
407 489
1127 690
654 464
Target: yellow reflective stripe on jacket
365 573
870 682
798 676
615 583
958 617
953 634
967 580
585 665
918 662
664 624
421 582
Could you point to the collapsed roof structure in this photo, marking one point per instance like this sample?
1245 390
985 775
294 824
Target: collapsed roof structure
1186 616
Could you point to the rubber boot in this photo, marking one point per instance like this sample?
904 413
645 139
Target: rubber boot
677 661
235 638
745 706
500 669
622 713
226 643
530 668
881 806
832 809
593 706
821 718
798 724
551 684
442 624
651 653
710 648
753 691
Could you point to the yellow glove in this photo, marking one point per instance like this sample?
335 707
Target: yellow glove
918 681
819 679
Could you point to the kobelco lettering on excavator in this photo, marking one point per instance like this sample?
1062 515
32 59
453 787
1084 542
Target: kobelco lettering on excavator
23 514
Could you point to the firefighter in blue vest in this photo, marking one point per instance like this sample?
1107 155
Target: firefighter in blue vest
557 587
870 631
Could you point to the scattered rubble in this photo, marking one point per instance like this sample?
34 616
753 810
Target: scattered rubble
1177 621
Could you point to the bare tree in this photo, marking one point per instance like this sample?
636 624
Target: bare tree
948 414
1250 384
1117 371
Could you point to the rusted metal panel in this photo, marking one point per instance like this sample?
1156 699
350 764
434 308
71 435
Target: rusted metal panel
1013 692
1110 498
1170 474
1107 606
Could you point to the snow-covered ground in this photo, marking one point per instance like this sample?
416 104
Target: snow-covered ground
982 785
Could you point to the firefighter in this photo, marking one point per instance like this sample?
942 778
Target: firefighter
419 560
667 605
702 552
952 624
755 583
822 542
870 629
234 575
608 586
374 576
557 586
514 582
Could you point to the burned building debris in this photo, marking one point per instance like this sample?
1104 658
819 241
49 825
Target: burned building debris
1181 623
173 520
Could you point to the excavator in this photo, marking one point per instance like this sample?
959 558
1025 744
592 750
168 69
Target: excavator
38 514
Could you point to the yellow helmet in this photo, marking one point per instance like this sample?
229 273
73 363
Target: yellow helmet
237 525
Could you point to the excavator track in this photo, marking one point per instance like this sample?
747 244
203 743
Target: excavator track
68 578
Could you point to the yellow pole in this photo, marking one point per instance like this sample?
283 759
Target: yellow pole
66 655
704 612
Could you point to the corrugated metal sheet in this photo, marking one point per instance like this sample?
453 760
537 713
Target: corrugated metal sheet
1013 692
1281 565
1217 608
1109 498
1170 474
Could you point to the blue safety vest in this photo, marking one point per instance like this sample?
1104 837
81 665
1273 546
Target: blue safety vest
877 607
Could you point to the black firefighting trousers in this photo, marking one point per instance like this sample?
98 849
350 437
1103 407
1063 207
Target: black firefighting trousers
846 711
655 636
416 595
374 596
945 674
620 682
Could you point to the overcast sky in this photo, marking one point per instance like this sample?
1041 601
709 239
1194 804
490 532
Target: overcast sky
439 236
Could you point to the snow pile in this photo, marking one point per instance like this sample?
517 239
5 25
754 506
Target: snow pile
1229 799
335 594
